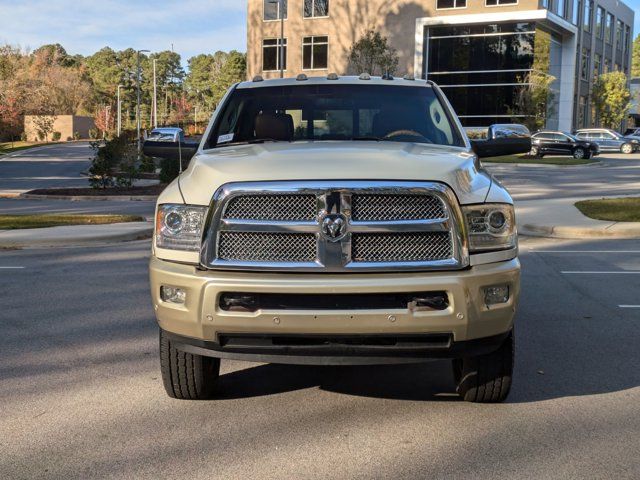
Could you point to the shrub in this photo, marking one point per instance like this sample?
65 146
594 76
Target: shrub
23 137
116 157
56 136
76 135
93 133
169 170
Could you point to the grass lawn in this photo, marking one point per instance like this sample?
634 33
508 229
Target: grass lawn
612 209
539 161
5 147
12 222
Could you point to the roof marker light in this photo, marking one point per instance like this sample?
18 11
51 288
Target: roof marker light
301 77
364 76
409 77
332 76
258 78
387 76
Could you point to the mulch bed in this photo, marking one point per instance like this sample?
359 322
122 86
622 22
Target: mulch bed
100 192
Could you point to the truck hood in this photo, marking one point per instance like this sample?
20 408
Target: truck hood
352 160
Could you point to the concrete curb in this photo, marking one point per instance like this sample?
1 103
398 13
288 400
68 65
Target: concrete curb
597 163
614 230
72 198
75 236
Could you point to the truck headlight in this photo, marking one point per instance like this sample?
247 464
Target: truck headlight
179 227
491 226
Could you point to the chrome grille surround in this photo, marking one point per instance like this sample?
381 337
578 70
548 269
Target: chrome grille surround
425 234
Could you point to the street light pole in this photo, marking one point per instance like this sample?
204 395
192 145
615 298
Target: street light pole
119 111
155 98
138 103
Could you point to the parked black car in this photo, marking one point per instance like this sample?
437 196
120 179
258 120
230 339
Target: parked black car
546 142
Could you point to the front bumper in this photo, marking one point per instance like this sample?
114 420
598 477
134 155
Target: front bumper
466 326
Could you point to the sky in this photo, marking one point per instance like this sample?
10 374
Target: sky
85 26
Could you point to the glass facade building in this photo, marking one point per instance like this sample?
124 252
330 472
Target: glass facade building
486 69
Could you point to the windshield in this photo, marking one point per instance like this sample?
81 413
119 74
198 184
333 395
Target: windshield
334 112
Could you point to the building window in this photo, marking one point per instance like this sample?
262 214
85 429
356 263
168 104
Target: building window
576 12
588 14
608 29
271 55
316 8
271 9
619 30
597 65
584 73
607 65
600 22
444 4
315 53
561 11
494 3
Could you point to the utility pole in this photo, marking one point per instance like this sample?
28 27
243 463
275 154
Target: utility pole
138 103
119 111
155 98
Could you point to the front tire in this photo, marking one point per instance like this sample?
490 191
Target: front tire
579 153
187 376
626 148
486 378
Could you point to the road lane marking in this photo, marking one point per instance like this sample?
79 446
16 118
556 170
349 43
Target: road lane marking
601 272
629 306
11 268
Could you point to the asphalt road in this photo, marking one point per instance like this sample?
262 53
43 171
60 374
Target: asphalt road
45 167
81 395
616 174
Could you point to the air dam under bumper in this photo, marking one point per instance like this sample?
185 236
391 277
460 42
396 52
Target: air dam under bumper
356 336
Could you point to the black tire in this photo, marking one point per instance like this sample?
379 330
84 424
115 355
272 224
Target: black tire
579 153
626 148
185 375
486 378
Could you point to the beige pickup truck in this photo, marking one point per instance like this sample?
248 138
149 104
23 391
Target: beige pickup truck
333 221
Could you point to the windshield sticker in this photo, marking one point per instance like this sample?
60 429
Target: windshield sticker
225 138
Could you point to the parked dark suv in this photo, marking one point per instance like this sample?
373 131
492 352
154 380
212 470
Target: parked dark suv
547 142
609 140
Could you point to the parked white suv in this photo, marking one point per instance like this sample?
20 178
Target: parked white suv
337 221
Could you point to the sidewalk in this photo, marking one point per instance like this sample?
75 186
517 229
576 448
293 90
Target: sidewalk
559 218
77 235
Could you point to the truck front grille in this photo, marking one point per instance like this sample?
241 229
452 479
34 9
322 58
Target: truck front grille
401 247
335 227
376 207
272 207
267 247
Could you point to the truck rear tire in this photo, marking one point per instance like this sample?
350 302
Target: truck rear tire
486 378
185 375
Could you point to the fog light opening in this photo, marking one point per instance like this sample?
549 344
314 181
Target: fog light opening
171 294
496 294
238 302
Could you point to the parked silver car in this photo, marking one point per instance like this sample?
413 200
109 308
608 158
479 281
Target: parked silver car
609 140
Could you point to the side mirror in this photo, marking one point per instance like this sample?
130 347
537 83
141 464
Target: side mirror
502 139
170 150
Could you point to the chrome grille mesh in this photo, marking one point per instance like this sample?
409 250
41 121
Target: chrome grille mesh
272 207
386 207
267 247
401 247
